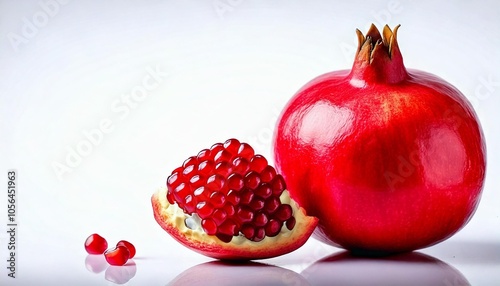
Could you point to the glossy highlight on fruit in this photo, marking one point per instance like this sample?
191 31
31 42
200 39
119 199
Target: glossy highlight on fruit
389 159
227 202
95 244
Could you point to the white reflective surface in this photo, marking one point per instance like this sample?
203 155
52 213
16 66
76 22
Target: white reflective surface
100 100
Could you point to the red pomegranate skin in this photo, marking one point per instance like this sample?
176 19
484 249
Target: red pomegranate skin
389 159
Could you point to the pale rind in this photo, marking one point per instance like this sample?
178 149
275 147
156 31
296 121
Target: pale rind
176 215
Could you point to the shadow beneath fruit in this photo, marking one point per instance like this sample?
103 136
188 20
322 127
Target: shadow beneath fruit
116 274
405 269
222 273
476 252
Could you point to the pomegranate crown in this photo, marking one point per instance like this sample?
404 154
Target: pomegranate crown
378 56
374 42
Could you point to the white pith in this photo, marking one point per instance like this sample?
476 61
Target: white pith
176 216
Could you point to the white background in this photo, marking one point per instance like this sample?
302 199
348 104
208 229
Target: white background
224 69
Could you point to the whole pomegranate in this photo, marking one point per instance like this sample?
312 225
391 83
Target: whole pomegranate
389 159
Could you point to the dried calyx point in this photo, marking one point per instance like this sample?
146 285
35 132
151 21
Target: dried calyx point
374 43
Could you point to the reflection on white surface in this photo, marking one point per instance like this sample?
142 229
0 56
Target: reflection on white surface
96 263
121 274
407 269
224 273
116 274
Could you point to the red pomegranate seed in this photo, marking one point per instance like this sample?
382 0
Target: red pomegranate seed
233 191
267 174
181 192
223 169
258 163
232 146
204 209
178 170
209 226
278 185
117 256
222 156
244 215
215 182
272 228
190 204
260 220
224 237
228 227
272 205
217 199
189 171
246 196
219 216
196 181
201 193
252 180
241 166
203 155
290 224
95 244
190 161
235 182
233 197
248 231
245 151
173 180
257 204
129 246
205 168
283 213
260 233
215 149
264 191
229 209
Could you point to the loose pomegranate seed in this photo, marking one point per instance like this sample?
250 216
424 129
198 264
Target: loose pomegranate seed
233 191
129 246
117 256
95 244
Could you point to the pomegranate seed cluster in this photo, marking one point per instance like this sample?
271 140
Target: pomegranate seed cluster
233 191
